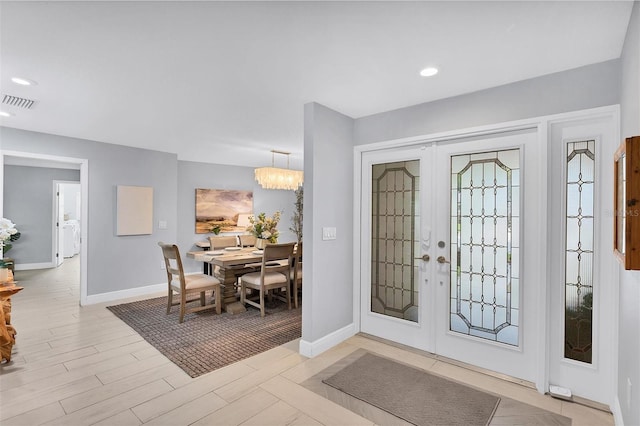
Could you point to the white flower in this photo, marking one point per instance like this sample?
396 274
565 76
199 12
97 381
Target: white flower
7 229
266 234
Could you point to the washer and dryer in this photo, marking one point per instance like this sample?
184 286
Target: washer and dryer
71 235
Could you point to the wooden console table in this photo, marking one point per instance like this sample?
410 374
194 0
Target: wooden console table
7 332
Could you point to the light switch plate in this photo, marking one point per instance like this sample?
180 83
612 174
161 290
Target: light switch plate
328 233
162 224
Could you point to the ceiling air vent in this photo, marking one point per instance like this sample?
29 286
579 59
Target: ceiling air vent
18 102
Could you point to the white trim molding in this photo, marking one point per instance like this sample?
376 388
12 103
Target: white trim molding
616 409
150 290
312 349
125 294
30 266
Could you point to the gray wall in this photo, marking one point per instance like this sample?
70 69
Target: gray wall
115 263
28 202
328 190
192 175
580 88
137 258
629 315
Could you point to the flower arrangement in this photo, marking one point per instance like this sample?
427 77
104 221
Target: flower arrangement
8 234
265 227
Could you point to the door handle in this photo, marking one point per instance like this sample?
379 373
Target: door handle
424 257
441 259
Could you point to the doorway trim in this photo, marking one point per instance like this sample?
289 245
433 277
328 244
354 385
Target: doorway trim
542 124
84 209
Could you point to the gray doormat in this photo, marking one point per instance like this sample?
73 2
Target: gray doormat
206 341
413 395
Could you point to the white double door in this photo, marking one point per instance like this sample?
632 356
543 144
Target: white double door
452 249
496 250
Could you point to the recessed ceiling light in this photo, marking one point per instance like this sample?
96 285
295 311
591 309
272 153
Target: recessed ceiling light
5 114
23 81
429 72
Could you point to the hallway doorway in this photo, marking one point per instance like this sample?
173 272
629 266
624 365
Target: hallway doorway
42 161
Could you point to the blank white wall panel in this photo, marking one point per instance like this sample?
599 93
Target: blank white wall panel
134 210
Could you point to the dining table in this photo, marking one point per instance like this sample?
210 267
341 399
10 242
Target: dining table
204 245
227 265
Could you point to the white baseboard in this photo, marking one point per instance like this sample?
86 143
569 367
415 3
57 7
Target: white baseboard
125 294
312 349
30 266
616 409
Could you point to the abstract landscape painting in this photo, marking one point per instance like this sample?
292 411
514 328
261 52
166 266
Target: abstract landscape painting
218 209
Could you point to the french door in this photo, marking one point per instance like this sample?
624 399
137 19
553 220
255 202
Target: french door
451 258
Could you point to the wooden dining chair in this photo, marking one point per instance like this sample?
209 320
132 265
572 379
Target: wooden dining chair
296 273
274 274
183 285
218 242
247 240
222 241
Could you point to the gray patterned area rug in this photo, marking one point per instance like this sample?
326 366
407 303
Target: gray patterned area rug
206 341
413 395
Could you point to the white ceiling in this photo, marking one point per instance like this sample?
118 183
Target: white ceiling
225 82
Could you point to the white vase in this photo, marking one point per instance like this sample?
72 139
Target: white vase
261 243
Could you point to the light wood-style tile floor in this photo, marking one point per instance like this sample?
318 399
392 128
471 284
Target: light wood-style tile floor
77 365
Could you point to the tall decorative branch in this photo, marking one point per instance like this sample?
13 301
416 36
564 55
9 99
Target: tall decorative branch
296 219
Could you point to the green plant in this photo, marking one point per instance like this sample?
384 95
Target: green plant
6 263
296 219
216 229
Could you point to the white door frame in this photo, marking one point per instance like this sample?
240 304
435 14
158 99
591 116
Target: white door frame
84 194
541 340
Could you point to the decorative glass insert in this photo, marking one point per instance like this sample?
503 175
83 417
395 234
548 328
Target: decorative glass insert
394 239
485 245
579 251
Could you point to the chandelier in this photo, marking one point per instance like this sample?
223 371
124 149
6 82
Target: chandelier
277 178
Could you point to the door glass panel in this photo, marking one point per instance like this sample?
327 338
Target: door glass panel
394 239
579 251
485 233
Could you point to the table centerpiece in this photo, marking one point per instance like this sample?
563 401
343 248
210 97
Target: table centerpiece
264 228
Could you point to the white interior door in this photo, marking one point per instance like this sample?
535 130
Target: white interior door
473 297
